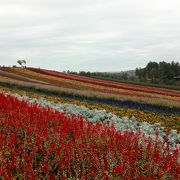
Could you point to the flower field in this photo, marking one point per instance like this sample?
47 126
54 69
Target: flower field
55 125
108 84
101 116
167 98
40 142
168 121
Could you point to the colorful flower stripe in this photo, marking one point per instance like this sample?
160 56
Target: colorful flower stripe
101 116
109 84
79 85
168 121
6 69
14 76
117 93
38 143
73 84
83 96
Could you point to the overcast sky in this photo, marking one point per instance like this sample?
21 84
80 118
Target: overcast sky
90 35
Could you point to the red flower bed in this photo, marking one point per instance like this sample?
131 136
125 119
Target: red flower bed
108 83
41 143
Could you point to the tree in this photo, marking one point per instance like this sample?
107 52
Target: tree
152 71
124 76
141 74
161 72
21 63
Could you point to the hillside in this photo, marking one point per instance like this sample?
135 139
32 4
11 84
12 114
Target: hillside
55 124
85 89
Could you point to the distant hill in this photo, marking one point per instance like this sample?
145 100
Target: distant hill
129 72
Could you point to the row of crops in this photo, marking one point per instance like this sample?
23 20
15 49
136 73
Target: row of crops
169 121
41 140
90 88
102 116
58 126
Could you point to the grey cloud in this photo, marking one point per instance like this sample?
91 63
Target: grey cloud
94 35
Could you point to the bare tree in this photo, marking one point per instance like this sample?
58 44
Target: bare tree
22 63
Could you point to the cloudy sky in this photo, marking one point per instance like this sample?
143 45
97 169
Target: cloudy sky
90 35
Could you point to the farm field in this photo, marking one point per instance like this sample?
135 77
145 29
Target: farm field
55 125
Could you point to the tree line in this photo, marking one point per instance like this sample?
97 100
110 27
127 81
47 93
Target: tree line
162 72
156 73
124 75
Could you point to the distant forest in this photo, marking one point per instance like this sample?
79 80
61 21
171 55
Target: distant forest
155 73
162 72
